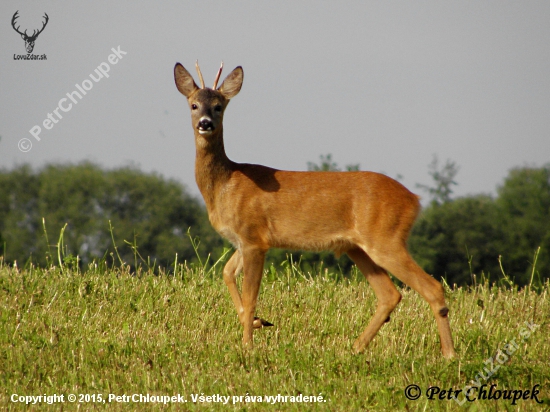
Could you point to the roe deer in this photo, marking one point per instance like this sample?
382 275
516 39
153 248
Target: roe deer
364 214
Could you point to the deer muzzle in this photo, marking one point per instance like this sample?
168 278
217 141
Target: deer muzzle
205 126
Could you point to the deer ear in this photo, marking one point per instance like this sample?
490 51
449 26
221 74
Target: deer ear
184 81
232 83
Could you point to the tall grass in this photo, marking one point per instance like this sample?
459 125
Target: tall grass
106 330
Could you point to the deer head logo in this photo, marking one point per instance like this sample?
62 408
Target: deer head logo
29 40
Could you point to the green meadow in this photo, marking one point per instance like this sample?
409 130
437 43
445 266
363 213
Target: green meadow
116 340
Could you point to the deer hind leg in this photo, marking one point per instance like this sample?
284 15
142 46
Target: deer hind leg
386 293
232 268
399 262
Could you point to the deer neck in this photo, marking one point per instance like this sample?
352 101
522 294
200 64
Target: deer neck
212 166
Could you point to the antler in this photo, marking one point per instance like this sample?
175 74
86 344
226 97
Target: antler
218 77
35 33
43 26
15 16
200 74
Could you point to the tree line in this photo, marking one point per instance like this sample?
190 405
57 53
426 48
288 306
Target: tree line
139 216
124 208
502 236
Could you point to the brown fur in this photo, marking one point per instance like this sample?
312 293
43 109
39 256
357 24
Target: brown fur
364 214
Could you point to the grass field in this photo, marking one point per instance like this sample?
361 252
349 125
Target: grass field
104 331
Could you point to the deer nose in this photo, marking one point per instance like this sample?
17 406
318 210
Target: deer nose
206 124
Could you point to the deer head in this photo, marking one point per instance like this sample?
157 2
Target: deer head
207 105
29 40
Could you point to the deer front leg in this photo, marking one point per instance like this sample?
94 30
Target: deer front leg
232 268
253 263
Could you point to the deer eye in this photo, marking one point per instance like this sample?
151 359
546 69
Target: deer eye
194 106
218 108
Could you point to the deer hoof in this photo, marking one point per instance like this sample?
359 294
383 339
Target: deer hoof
260 323
358 347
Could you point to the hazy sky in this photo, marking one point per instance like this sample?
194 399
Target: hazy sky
386 84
